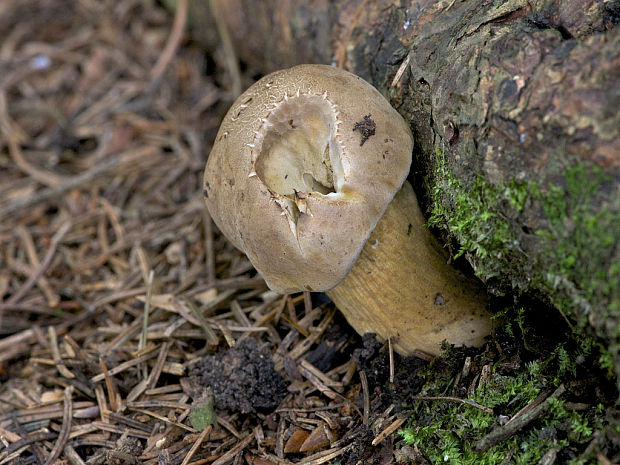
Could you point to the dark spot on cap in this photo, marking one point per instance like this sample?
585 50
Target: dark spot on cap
366 127
205 193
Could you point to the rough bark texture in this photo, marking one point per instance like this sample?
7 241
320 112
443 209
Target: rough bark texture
514 106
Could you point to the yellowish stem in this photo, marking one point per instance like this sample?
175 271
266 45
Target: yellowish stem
401 287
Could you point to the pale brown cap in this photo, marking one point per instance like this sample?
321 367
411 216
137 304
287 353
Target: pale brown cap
303 167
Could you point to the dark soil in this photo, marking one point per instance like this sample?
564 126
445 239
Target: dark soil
373 359
243 377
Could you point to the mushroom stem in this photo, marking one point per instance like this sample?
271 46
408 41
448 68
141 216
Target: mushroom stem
401 287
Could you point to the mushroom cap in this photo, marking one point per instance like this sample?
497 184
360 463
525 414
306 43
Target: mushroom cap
304 165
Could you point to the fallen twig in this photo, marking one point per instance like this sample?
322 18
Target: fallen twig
44 265
500 433
65 429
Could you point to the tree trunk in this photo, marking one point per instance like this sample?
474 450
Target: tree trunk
515 109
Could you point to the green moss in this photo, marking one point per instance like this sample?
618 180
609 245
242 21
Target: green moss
477 216
582 258
576 246
446 432
576 260
202 413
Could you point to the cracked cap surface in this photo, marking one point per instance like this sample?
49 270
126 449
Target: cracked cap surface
304 165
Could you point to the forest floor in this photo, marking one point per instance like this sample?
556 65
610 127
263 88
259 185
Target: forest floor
132 332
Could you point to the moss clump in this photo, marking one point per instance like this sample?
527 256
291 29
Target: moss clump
573 259
478 217
582 257
202 413
447 432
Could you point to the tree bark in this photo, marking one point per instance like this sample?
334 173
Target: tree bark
515 109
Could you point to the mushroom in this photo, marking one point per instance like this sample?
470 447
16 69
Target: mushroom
307 176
